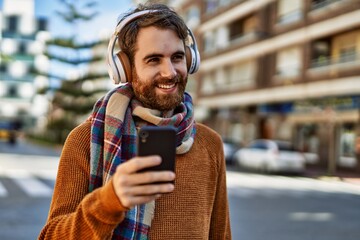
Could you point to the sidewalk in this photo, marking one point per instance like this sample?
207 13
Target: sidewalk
343 175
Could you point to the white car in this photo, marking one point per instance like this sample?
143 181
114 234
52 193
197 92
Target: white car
271 156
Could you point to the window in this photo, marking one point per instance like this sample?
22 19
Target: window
321 53
2 67
289 62
317 4
259 145
12 92
290 11
211 6
22 48
236 29
224 2
345 46
241 75
208 84
222 38
42 24
13 23
209 42
243 29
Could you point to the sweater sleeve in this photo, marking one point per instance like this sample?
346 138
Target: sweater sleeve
74 212
220 220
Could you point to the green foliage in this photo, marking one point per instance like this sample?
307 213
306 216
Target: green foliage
72 103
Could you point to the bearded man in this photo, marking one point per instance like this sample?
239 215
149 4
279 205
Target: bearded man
100 191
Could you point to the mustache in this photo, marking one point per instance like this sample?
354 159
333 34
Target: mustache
176 79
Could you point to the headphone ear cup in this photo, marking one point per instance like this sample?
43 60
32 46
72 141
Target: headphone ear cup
189 58
123 65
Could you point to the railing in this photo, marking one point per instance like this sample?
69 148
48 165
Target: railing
293 16
17 35
243 37
323 4
322 61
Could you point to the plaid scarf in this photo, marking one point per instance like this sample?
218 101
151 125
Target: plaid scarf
113 141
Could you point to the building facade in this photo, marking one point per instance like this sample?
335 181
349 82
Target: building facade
22 46
281 69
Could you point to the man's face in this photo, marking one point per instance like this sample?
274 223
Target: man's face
160 75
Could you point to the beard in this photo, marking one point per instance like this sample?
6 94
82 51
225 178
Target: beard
145 92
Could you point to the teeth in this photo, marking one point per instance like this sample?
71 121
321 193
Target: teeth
166 86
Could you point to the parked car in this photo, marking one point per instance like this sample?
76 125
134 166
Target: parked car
7 131
271 156
230 147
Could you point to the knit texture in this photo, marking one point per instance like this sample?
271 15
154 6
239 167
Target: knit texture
196 209
113 142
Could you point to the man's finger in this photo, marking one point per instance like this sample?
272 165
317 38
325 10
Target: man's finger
136 164
149 189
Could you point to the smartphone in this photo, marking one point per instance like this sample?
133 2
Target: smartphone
155 140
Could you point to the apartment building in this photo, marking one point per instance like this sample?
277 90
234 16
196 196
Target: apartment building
280 69
23 37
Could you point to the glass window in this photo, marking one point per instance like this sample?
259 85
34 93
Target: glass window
236 29
22 48
222 37
209 42
42 24
259 145
347 146
288 62
13 23
12 92
317 4
290 11
3 67
208 84
345 47
211 6
241 75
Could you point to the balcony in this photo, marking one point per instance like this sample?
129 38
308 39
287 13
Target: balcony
322 4
343 60
291 17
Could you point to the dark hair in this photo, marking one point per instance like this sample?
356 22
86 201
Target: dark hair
163 18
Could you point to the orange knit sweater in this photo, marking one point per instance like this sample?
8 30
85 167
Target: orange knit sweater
197 209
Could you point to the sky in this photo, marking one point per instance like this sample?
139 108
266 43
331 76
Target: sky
105 21
108 10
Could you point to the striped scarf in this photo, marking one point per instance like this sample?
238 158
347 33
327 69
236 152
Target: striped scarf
113 141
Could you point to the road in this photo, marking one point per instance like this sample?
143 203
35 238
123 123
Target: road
261 206
292 208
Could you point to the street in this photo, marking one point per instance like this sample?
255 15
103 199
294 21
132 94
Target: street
261 206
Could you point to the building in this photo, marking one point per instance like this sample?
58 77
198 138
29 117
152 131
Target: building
283 69
22 45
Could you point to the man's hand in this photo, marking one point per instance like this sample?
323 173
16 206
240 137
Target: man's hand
134 188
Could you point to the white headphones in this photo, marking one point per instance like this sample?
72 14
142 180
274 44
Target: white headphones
119 65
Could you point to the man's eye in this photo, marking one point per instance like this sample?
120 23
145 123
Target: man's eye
153 60
178 57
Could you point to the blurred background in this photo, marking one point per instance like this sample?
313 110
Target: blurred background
279 80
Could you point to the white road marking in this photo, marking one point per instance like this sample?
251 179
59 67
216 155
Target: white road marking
3 191
28 183
236 180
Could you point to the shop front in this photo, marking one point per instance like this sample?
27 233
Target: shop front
333 123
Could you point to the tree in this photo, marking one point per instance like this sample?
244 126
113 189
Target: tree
72 99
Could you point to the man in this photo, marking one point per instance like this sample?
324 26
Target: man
99 191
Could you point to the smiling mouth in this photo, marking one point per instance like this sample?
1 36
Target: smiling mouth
166 86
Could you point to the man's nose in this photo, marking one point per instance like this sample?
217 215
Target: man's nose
168 70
